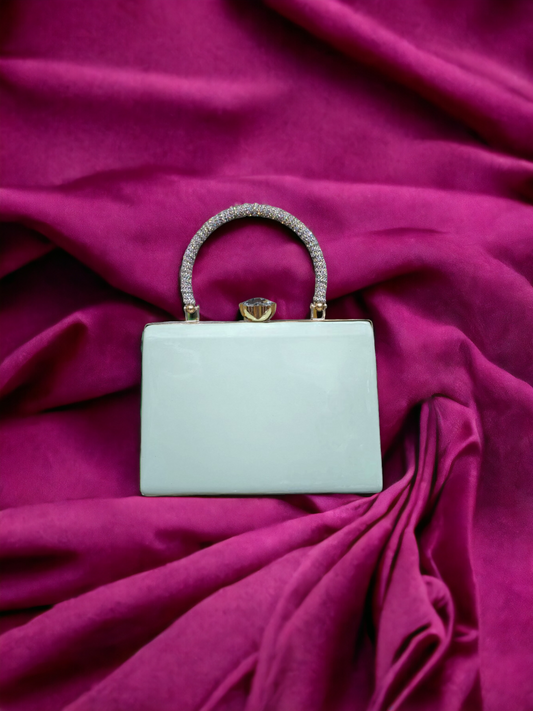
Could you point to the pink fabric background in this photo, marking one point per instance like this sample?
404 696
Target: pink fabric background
402 134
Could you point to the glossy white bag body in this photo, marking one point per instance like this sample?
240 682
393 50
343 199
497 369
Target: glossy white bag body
259 408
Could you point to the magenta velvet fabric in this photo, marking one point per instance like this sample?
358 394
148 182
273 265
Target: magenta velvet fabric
402 135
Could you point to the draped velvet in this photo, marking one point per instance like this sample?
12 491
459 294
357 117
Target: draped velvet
402 135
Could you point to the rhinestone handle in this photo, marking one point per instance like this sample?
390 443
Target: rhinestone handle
192 310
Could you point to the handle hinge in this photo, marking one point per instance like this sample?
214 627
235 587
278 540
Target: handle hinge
192 313
318 311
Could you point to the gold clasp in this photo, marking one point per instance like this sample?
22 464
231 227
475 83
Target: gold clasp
257 310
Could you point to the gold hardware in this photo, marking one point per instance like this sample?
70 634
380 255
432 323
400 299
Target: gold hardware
192 313
257 310
317 307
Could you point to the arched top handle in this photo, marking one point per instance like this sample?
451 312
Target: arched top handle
318 306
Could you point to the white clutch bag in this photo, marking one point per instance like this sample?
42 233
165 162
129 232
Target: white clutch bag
259 406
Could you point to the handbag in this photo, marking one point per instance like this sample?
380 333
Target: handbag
259 405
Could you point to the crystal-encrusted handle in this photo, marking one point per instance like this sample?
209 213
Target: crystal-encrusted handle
191 308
